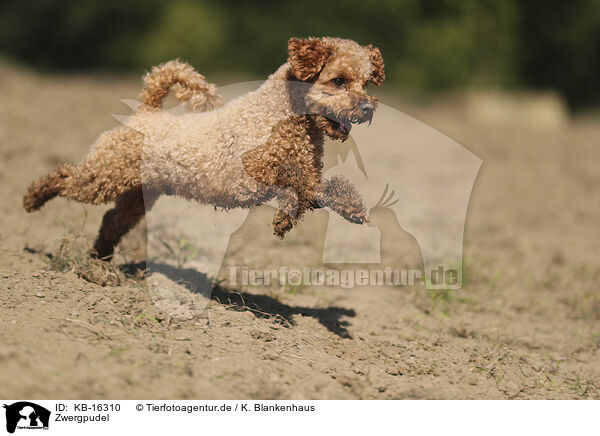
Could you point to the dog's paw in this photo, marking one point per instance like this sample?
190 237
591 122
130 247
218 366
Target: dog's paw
103 250
282 223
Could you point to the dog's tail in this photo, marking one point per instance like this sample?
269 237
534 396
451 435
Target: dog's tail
46 188
187 84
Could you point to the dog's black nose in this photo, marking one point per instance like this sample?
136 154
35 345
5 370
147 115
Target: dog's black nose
367 109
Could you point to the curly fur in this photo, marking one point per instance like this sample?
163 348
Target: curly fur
186 83
265 144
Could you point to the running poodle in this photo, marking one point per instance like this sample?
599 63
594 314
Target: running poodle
266 144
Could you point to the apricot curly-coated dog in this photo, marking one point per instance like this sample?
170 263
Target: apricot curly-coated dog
266 144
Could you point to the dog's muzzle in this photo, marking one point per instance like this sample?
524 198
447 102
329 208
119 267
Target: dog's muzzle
367 109
363 114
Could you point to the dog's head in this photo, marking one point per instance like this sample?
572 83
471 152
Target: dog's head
338 71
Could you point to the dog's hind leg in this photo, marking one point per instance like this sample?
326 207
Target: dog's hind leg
111 169
46 188
128 211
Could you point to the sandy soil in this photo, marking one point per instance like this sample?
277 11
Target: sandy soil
525 324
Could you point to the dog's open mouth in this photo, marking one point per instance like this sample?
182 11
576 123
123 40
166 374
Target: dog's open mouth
343 127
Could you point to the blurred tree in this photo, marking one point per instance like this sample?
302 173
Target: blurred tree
428 45
459 43
71 34
560 48
189 30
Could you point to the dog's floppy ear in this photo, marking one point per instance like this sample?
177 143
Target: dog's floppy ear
377 75
307 56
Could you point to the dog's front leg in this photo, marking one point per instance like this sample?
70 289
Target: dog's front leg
339 195
288 213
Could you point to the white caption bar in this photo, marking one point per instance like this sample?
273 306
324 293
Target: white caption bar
149 417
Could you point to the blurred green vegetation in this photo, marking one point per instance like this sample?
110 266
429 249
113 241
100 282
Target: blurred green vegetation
428 45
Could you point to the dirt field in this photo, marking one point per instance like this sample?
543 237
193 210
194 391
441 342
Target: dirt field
525 324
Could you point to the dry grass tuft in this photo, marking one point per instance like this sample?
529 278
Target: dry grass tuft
73 255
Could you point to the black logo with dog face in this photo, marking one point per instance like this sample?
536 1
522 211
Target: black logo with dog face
26 415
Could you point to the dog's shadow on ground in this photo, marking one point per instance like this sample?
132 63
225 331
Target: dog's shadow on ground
261 306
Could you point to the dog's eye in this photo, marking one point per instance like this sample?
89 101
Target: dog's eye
339 81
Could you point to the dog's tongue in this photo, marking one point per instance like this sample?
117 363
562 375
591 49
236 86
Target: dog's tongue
345 128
